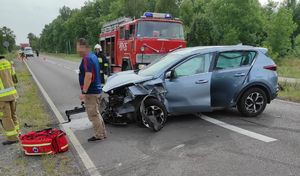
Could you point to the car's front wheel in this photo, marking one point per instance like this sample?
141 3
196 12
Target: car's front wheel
153 114
252 103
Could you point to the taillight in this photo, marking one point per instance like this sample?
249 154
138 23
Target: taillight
271 67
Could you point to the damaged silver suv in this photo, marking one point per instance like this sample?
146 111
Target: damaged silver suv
192 80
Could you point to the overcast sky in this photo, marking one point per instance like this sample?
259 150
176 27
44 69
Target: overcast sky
25 16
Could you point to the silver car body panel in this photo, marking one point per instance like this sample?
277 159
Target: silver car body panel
122 79
189 93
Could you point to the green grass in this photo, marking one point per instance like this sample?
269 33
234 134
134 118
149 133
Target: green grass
289 67
291 91
11 55
30 108
71 57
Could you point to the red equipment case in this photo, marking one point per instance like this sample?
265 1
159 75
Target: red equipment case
44 142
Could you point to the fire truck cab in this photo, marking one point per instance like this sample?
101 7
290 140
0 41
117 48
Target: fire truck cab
130 44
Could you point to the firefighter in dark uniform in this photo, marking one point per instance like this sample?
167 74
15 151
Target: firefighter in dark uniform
103 63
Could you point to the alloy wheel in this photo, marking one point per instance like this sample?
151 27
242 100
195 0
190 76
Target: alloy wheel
254 102
155 115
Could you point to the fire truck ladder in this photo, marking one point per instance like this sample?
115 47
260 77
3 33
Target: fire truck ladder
112 25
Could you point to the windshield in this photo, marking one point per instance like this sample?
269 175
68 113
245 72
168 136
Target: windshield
162 30
159 65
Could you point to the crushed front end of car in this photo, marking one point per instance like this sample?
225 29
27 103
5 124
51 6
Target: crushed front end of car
141 101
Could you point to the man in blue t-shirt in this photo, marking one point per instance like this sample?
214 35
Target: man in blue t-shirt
90 83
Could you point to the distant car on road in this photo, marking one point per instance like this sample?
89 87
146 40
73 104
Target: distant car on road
28 52
191 80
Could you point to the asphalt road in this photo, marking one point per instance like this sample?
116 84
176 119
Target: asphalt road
188 145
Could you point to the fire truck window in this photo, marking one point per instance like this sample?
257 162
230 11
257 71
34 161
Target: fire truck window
122 33
131 30
164 30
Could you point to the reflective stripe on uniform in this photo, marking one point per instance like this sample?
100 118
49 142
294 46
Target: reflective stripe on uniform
11 133
100 59
106 65
7 92
17 127
5 66
1 84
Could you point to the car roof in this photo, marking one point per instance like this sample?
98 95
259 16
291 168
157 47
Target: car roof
206 49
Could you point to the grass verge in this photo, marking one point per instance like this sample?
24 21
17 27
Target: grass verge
290 92
70 57
33 111
289 67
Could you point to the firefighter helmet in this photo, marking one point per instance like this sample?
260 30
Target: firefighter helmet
97 46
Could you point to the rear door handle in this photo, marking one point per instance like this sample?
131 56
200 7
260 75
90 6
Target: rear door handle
239 74
201 81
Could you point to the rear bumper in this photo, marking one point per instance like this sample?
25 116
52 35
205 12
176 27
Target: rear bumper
275 94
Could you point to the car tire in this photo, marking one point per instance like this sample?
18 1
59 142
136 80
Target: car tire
102 109
252 103
154 107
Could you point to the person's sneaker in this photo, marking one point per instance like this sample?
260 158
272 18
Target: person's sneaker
92 139
9 142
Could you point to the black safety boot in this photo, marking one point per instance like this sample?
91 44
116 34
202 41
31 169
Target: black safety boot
9 142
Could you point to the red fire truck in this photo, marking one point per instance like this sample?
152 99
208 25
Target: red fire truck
130 44
23 45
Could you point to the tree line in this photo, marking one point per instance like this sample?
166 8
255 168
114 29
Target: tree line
207 22
7 35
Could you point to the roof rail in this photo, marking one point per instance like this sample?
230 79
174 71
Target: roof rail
112 25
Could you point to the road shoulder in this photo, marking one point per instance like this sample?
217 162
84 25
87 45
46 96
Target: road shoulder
33 111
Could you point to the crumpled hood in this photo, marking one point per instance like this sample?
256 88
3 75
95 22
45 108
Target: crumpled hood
124 78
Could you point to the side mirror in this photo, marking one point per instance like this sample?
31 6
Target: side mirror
170 74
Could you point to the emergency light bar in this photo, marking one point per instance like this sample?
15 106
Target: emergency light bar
157 15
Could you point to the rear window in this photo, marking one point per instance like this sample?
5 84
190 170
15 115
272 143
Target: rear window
234 59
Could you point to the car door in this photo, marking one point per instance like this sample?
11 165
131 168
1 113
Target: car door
230 70
188 90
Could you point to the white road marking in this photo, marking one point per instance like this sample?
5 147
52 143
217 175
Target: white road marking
238 129
88 163
177 147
